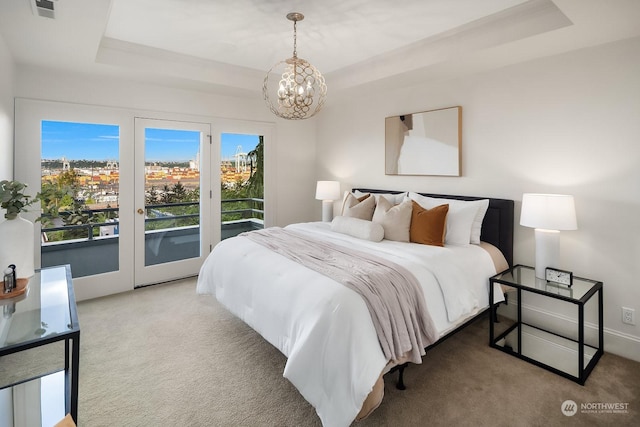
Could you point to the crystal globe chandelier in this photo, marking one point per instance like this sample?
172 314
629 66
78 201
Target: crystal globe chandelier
294 89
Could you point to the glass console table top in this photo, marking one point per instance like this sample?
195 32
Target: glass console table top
40 313
525 277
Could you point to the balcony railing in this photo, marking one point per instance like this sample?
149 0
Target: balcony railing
160 214
94 252
254 209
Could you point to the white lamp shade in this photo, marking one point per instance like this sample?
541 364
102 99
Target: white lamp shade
548 211
328 190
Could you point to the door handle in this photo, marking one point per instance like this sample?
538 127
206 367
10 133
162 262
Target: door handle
140 211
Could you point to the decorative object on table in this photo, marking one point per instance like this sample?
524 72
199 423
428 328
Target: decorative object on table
559 276
16 233
20 289
548 214
9 277
425 143
327 191
301 90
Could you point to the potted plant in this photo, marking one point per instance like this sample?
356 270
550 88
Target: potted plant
16 233
13 199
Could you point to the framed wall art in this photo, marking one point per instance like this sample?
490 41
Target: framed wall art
425 143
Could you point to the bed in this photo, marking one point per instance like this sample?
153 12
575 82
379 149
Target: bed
335 354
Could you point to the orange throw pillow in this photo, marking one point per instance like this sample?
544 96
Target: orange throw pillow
428 226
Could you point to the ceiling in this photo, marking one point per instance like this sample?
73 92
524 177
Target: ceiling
227 46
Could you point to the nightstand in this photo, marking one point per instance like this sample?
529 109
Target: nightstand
544 323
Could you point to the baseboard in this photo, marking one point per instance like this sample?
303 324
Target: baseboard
621 344
615 342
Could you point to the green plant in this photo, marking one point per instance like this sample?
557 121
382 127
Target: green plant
13 198
52 197
255 183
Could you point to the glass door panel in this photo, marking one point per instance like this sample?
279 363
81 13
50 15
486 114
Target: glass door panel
172 215
241 183
80 180
172 195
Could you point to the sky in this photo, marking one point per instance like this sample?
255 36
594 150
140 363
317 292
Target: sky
79 141
231 141
88 141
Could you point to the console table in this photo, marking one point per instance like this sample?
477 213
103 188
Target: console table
43 315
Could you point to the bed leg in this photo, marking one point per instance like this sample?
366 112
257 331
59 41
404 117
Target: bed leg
400 384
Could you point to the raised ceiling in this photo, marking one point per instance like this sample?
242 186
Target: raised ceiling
227 46
255 33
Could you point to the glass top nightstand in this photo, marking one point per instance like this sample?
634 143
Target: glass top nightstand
533 332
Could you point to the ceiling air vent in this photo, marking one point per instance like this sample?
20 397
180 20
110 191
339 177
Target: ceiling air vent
44 8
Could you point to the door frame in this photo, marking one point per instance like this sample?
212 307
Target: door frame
29 114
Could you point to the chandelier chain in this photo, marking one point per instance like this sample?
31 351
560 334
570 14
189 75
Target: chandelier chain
295 40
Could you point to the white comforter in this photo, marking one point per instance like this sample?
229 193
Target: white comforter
324 328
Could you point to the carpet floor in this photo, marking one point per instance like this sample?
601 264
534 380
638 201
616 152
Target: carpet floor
164 356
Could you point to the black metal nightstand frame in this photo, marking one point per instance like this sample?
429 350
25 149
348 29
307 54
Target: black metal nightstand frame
596 288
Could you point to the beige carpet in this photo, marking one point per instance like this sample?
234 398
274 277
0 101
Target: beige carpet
164 356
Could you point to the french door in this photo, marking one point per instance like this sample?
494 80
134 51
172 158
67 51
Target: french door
128 200
81 159
133 200
172 223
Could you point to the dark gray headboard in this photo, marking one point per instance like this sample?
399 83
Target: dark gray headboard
497 227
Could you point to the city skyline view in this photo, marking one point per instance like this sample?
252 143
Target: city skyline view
100 142
80 172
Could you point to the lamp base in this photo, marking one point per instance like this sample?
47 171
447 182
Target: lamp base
327 210
547 250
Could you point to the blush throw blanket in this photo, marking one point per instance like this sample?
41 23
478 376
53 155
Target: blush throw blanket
392 294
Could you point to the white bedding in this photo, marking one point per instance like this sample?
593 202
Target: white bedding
324 328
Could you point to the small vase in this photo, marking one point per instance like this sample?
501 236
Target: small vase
17 245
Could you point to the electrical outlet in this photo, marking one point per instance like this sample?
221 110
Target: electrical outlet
628 316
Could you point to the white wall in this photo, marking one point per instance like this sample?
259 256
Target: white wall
295 142
6 172
563 124
6 111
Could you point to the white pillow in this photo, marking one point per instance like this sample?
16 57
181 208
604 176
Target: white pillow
460 217
359 228
396 220
476 227
394 199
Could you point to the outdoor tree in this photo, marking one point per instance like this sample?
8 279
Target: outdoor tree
255 183
179 192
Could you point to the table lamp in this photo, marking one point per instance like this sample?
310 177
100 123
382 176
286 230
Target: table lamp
327 191
548 214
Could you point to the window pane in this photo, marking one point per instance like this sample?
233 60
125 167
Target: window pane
242 183
80 188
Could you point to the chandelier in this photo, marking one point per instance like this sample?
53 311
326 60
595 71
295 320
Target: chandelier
301 91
